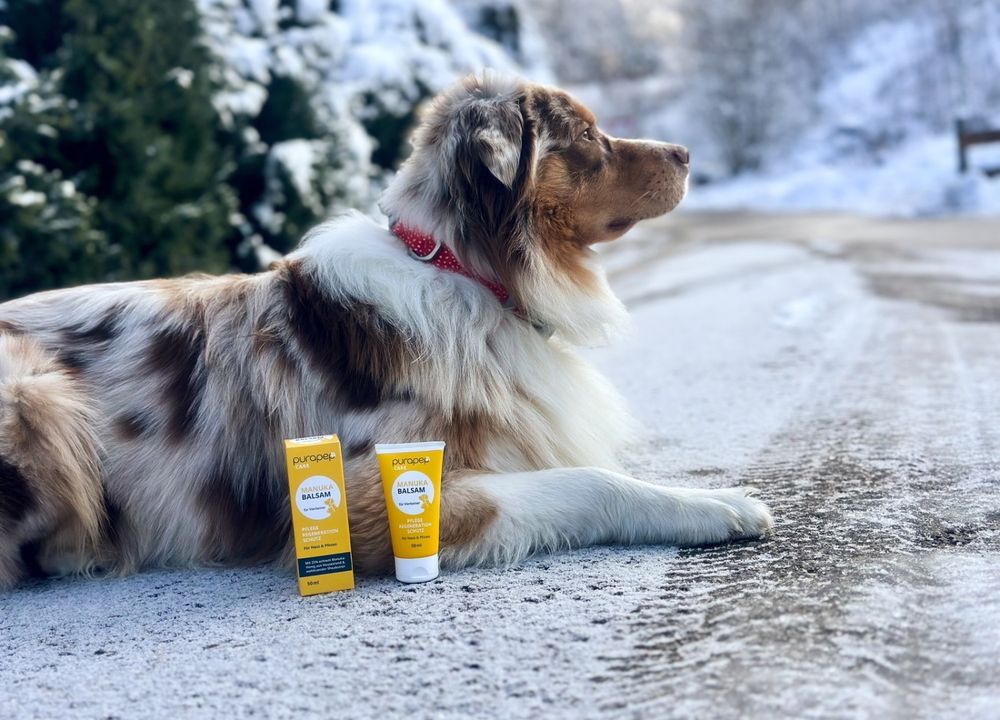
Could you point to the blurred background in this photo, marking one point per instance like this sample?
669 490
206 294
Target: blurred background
142 138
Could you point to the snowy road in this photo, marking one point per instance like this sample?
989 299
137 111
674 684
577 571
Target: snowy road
848 368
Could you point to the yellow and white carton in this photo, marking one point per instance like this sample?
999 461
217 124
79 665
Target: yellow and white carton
319 514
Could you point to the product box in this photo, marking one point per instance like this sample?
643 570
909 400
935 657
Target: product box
319 514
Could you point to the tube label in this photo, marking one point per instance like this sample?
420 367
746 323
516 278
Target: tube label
411 480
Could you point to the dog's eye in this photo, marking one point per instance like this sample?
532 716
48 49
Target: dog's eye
587 134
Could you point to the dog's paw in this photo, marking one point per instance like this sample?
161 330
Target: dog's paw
749 517
718 516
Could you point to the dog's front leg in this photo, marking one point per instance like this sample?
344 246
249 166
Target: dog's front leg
492 519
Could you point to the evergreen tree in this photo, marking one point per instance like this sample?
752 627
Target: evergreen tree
110 166
48 234
146 138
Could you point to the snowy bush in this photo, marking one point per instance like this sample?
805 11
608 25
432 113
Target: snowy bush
331 91
48 233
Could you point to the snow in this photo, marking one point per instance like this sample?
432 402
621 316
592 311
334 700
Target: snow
299 158
310 12
249 56
182 76
29 167
23 78
399 46
357 63
802 311
266 13
919 177
533 51
264 254
861 94
26 198
364 46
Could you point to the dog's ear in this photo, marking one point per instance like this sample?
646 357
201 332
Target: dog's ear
496 131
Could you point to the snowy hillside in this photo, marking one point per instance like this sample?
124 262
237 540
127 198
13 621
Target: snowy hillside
871 148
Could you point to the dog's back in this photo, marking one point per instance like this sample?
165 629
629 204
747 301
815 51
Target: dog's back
117 401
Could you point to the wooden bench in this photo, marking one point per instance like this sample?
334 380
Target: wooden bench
967 138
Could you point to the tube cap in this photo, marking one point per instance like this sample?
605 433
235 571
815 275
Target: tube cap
416 570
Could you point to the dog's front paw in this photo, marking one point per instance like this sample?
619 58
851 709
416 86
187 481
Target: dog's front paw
718 516
750 518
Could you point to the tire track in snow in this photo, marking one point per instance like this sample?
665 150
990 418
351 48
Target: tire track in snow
873 595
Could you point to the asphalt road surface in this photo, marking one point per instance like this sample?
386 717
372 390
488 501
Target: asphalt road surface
848 368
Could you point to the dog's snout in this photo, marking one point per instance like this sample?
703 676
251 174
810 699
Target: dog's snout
679 154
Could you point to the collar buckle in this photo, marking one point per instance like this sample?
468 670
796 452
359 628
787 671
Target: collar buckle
429 257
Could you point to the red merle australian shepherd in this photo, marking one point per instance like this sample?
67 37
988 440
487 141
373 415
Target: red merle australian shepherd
141 423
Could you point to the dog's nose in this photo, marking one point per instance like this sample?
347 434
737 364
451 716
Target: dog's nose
679 153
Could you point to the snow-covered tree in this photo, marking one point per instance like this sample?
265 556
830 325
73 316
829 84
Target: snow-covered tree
752 68
319 98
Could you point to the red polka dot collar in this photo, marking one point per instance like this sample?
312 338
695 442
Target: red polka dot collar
427 248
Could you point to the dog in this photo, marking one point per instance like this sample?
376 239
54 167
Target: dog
141 423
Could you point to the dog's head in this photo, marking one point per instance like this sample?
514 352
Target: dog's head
518 179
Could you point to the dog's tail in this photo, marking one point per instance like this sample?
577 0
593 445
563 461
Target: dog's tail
50 486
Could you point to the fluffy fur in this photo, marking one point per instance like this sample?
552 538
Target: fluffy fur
141 423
